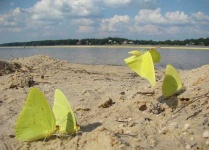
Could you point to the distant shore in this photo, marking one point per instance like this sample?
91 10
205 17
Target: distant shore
116 46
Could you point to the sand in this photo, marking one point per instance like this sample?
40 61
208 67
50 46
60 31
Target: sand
115 108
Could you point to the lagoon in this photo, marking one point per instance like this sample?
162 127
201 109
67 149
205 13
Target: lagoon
183 57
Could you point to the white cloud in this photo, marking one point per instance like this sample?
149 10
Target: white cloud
71 18
84 25
200 16
46 10
129 3
60 9
155 16
117 3
177 17
14 19
173 30
149 21
115 24
83 21
149 16
85 29
14 29
146 29
46 13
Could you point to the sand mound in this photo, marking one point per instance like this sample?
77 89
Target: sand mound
7 68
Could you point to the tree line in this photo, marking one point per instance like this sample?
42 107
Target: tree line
109 41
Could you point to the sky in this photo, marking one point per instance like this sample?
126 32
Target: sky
31 20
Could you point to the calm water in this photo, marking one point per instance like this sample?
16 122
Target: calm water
186 59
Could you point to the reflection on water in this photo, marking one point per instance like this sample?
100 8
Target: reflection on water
186 59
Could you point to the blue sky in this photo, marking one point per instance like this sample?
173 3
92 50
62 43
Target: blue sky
28 20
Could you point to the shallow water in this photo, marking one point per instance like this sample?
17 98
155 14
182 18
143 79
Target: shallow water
184 58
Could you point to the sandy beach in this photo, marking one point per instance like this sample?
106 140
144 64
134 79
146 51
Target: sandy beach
115 108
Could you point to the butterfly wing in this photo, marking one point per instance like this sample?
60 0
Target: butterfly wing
136 52
172 82
143 66
155 55
36 120
64 115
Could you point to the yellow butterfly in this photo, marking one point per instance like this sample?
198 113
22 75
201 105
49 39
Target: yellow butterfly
143 63
172 82
37 120
64 114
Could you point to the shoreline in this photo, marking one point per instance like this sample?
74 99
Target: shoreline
117 46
